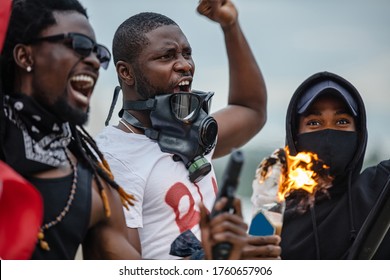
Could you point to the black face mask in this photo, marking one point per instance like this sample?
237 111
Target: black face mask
335 147
182 126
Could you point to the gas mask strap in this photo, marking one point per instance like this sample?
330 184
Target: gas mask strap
113 102
132 120
151 133
140 105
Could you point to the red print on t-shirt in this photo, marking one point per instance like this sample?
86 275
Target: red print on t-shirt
179 191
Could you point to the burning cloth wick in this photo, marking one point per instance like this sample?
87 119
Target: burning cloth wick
303 174
304 177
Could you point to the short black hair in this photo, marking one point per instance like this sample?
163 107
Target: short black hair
130 39
28 19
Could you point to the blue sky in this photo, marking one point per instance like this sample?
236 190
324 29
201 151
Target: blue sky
290 39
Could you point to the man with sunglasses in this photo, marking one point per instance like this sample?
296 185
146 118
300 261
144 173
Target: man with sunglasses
50 65
81 44
162 148
48 75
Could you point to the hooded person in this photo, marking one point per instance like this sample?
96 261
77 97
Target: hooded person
327 228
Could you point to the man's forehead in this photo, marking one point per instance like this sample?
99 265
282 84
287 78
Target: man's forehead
167 34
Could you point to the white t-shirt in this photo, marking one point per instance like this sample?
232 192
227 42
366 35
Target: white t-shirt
167 201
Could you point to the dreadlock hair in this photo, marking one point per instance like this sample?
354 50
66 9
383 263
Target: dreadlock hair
129 38
28 19
85 149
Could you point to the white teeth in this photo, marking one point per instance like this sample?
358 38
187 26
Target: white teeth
84 78
184 83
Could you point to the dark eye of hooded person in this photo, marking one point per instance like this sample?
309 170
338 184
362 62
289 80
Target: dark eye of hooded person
326 125
327 111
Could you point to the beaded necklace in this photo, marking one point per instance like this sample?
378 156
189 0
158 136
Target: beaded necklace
43 244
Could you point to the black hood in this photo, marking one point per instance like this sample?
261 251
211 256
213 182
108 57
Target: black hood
292 117
325 230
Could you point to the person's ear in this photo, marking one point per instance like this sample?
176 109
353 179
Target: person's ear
125 72
23 57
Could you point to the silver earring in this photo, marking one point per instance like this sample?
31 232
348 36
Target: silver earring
29 68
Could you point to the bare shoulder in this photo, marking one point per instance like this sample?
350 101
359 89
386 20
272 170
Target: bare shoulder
105 203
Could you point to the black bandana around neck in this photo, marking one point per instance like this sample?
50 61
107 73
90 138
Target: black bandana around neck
34 139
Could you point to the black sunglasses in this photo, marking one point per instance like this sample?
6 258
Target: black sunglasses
81 44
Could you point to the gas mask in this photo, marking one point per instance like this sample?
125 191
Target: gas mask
181 125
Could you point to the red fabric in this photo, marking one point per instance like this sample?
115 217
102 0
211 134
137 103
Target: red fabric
5 11
21 213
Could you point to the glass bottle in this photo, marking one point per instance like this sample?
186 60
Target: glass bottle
267 207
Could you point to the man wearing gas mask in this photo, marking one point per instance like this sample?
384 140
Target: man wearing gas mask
163 146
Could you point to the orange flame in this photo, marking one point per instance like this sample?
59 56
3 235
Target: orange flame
303 173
